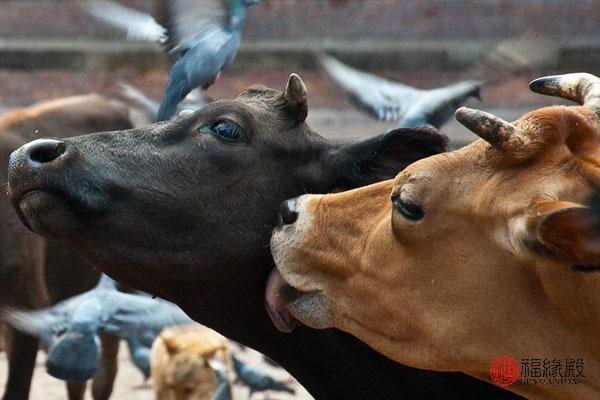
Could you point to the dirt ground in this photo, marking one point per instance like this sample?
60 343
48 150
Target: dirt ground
130 385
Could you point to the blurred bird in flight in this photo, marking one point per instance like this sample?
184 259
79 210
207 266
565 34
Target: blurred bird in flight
204 34
69 330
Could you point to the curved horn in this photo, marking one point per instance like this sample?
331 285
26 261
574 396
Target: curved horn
580 87
500 134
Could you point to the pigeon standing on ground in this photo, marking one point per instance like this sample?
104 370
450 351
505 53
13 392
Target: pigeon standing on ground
205 34
257 381
69 330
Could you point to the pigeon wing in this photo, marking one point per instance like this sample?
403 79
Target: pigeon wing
434 107
132 314
188 21
44 324
137 24
382 99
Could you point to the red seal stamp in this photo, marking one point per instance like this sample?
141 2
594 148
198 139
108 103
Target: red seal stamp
504 371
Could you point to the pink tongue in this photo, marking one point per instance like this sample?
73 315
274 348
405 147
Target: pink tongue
276 303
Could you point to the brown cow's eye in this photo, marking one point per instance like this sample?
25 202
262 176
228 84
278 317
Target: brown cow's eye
408 210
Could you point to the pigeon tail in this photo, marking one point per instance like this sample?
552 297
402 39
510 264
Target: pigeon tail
140 356
281 387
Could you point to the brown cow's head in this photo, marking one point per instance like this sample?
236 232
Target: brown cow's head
465 256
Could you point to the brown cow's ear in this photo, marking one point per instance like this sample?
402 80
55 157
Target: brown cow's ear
570 232
383 156
296 98
171 342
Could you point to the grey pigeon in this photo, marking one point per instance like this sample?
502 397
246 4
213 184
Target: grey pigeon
393 101
195 100
205 34
69 330
258 381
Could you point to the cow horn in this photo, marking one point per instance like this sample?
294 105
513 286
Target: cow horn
296 97
500 134
580 87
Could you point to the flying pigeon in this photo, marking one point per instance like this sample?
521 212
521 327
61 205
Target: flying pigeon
69 330
393 101
386 100
256 380
205 34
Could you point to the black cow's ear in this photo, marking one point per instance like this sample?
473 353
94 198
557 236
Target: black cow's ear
383 156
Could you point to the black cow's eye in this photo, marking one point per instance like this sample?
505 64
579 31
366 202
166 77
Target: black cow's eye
229 131
407 210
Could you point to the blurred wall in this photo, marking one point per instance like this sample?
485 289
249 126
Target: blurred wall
293 20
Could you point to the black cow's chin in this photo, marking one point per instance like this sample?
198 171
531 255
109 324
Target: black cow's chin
47 214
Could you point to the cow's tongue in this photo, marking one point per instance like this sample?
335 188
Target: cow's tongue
276 303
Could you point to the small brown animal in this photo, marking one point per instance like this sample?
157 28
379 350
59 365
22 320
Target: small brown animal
179 362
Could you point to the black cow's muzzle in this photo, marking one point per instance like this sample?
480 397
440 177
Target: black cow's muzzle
37 186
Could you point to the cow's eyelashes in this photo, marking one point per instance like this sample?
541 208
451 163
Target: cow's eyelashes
408 210
226 130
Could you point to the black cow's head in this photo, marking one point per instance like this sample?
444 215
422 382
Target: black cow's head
195 199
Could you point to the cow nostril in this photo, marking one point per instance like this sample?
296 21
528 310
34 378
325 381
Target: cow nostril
46 150
286 215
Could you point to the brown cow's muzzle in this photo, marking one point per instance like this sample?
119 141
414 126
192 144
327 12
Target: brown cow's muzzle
35 171
278 293
291 295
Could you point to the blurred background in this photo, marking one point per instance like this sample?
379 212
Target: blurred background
52 48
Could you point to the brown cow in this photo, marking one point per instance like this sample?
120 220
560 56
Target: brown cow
465 256
35 272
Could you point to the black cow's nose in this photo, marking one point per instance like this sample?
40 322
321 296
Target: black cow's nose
43 151
287 215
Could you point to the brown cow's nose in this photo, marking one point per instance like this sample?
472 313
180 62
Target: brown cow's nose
42 151
287 215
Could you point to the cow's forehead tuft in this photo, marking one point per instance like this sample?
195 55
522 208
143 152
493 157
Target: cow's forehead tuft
259 92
